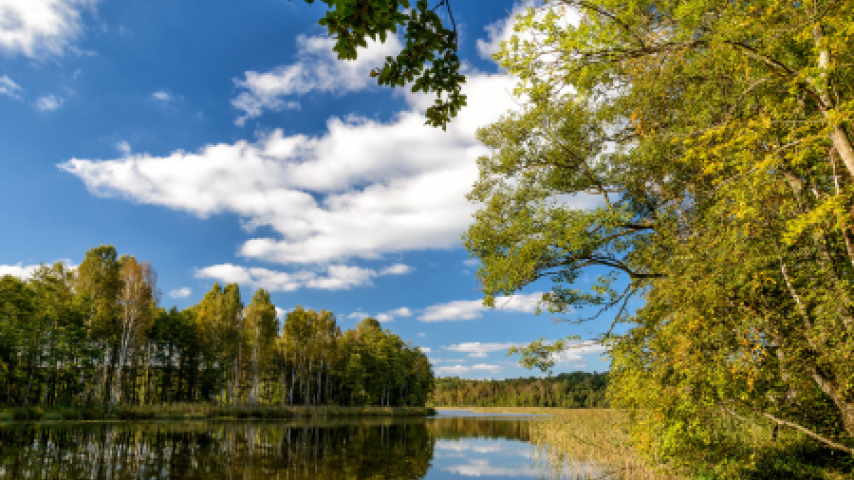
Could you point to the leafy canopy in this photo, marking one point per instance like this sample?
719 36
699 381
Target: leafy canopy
428 60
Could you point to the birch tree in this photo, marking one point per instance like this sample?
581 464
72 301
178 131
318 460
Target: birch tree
137 301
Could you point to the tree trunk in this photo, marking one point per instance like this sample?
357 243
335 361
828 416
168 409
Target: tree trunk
838 136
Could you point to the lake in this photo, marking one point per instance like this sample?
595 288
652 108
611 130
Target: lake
452 445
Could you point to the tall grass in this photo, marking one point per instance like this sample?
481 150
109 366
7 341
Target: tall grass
195 411
591 443
594 443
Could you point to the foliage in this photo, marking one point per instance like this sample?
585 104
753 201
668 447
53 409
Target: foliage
567 390
699 154
428 61
96 335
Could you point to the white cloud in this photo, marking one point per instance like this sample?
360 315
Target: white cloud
502 30
570 356
21 271
49 103
480 350
463 369
452 370
486 367
36 27
161 95
317 69
397 269
181 293
389 315
281 313
472 262
24 272
10 88
498 32
425 349
574 351
123 147
403 312
363 189
422 334
358 316
330 277
471 309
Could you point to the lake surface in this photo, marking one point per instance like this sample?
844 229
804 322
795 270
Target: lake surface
453 445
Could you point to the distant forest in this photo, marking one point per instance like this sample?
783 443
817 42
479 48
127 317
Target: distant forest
97 335
567 390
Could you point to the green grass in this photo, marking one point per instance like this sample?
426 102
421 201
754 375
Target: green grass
194 411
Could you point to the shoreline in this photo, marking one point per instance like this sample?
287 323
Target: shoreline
125 413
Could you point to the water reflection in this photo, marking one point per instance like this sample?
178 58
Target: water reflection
433 449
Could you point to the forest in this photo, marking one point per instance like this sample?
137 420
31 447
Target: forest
96 335
566 390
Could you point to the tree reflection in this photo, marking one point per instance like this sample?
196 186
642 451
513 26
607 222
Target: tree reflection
377 449
232 451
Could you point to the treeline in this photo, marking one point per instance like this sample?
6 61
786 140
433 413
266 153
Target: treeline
96 335
567 390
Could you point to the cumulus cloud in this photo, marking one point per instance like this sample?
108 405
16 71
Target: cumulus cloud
480 350
472 262
331 277
10 88
161 95
24 272
425 349
49 103
123 146
36 27
471 309
503 29
464 369
19 270
361 190
385 316
358 316
402 312
397 269
181 293
573 354
317 69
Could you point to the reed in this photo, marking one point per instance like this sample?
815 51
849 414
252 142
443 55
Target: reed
594 443
591 443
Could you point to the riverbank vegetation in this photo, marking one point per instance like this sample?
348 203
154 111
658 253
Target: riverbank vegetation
567 390
200 411
95 336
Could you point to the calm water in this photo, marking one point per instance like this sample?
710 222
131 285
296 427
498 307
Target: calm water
450 446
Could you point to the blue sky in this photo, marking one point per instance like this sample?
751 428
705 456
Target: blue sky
223 141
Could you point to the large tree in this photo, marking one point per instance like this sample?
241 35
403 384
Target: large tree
137 303
714 139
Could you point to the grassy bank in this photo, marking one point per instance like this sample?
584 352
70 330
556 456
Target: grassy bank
590 442
189 411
